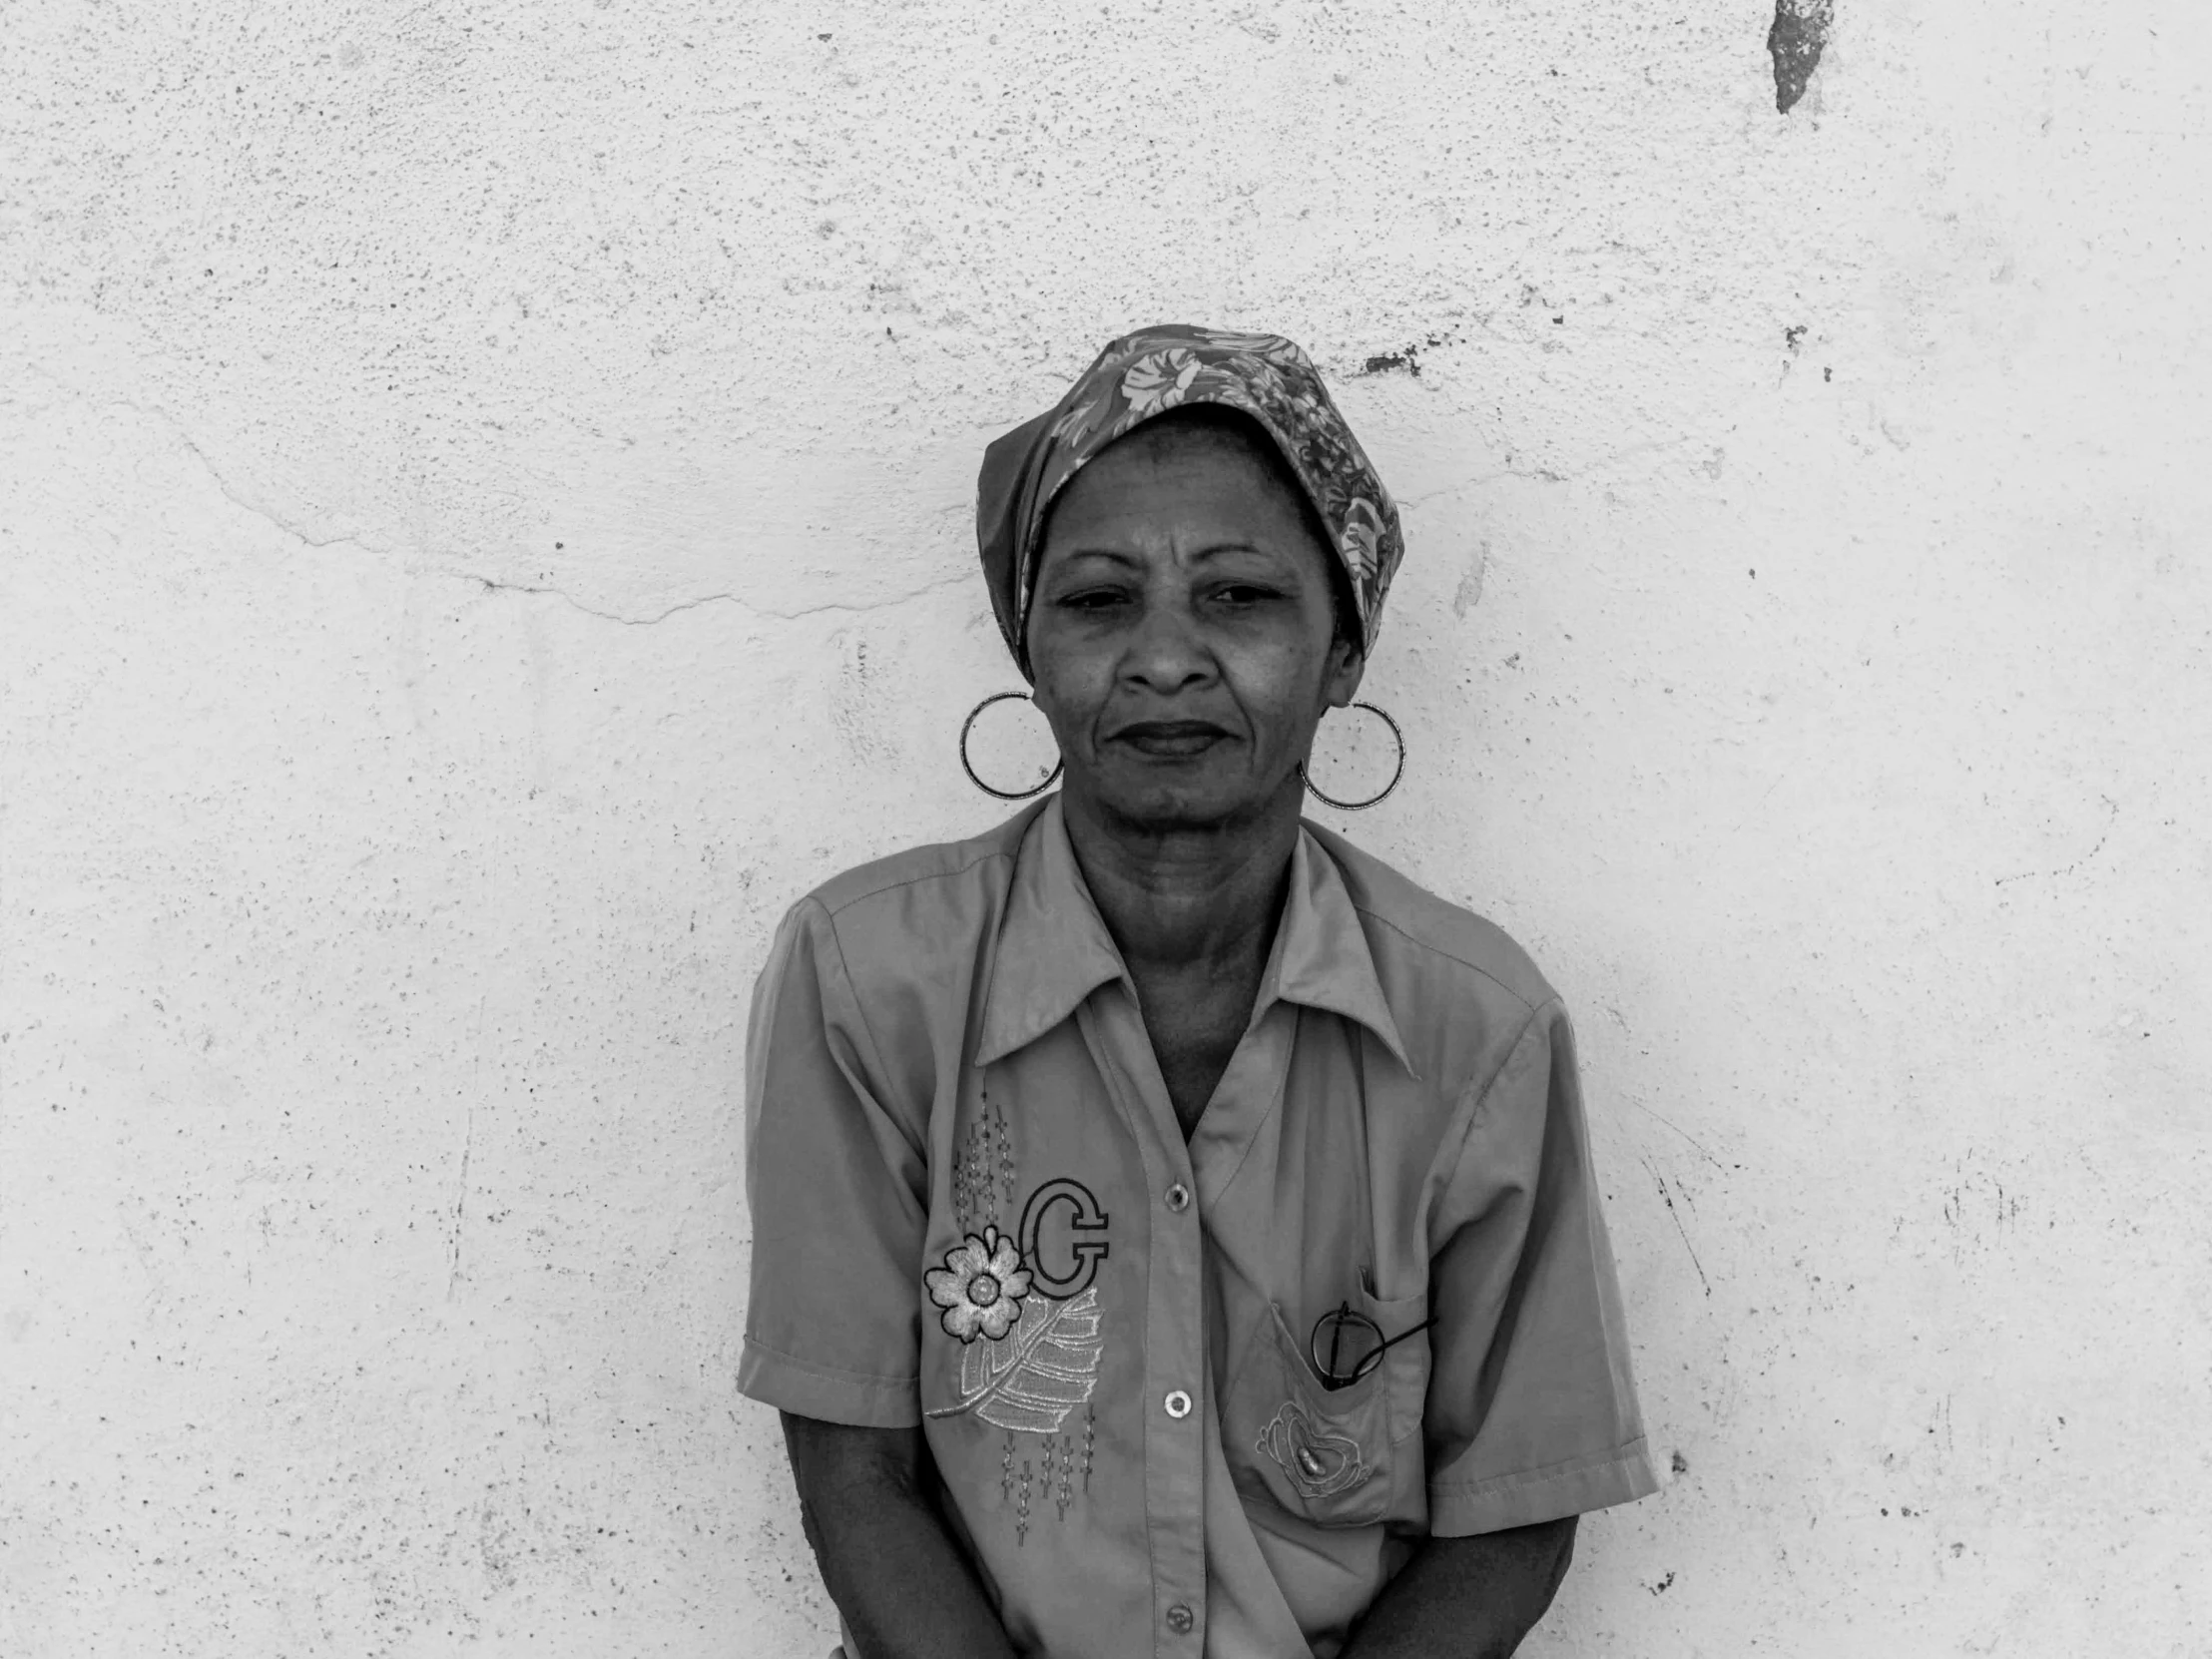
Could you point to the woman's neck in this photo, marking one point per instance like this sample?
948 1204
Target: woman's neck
1181 899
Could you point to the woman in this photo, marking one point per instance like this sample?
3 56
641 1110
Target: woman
1174 1231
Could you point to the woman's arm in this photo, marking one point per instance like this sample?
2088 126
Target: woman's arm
905 1588
1467 1598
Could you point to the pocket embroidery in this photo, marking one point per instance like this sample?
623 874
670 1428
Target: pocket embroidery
1318 1462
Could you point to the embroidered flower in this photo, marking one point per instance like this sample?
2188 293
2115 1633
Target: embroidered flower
980 1285
1318 1462
1158 381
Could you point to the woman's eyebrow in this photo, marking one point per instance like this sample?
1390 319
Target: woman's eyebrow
1134 561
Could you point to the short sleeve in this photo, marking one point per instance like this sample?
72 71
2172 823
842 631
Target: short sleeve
837 1184
1531 1411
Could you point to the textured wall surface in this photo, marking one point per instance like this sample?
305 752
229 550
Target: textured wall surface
484 495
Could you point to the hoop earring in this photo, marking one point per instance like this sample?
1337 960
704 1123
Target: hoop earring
1362 806
967 767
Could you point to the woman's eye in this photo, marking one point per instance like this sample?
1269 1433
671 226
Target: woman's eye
1244 593
1089 599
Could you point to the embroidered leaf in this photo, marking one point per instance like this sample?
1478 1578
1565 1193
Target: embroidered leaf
1040 1370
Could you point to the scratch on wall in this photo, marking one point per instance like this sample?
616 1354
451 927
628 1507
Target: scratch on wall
1800 32
1678 1227
469 1144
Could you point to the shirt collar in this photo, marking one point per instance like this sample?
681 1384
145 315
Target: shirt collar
1054 951
1321 958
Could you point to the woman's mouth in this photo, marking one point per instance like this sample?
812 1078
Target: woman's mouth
1171 739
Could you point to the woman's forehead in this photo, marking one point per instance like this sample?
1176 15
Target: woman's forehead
1202 487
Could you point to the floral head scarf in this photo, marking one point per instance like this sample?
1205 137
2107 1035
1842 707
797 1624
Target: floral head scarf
1148 373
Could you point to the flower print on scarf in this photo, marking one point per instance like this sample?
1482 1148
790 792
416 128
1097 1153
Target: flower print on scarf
980 1285
1157 381
1270 349
1361 544
1081 420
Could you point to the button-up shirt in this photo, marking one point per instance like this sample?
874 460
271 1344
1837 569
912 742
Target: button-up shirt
973 1209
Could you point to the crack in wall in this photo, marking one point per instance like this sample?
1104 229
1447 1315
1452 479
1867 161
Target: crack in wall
286 527
2112 817
849 607
281 526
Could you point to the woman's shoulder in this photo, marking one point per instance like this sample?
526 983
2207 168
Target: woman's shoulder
925 880
1428 938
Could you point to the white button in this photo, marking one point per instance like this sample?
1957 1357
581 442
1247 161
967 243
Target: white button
1179 1197
1178 1403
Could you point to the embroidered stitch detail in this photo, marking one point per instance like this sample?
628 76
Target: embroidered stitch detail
984 1166
1032 1379
1318 1462
980 1287
1027 1359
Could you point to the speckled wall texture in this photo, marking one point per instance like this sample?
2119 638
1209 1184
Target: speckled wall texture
484 523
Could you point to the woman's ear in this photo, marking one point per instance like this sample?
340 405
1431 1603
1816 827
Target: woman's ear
1347 664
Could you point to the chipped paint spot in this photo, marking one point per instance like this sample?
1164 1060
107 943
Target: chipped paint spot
1795 43
1470 592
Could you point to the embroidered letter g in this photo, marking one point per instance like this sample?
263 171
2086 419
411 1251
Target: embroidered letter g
1088 1218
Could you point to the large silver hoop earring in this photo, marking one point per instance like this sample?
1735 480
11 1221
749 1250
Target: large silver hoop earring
969 767
1396 736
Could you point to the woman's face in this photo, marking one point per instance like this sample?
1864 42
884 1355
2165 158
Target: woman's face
1182 634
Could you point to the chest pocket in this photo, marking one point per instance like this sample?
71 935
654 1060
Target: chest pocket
1329 1455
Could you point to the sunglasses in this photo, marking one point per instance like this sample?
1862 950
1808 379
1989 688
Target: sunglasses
1347 1347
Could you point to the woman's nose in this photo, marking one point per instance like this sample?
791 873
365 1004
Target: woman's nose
1168 653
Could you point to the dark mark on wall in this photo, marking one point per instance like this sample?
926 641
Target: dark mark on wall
1793 337
1800 32
1681 1464
1405 360
1663 1587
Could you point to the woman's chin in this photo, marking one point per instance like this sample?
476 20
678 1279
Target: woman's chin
1160 804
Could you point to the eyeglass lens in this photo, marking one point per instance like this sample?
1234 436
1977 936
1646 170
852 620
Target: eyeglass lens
1347 1345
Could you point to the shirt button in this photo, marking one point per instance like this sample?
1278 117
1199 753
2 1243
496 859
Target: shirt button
1180 1619
1179 1197
1178 1403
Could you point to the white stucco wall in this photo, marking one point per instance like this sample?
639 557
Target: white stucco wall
484 523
